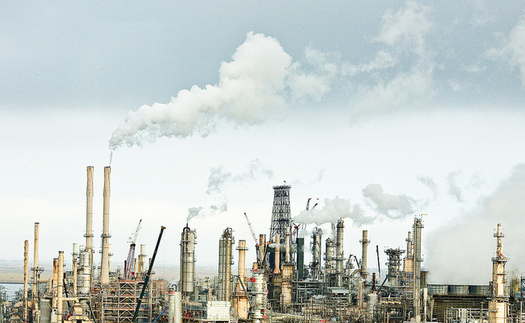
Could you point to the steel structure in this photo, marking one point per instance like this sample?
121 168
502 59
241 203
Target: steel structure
281 215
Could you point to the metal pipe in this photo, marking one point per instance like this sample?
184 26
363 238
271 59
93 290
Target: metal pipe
26 277
104 265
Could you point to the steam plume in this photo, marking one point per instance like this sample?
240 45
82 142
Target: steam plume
218 177
332 210
394 207
201 212
471 239
453 187
260 76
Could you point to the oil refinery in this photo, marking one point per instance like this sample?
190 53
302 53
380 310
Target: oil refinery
278 287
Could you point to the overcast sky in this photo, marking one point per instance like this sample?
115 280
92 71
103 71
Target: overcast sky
380 111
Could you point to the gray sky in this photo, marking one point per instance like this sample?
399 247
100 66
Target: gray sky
382 111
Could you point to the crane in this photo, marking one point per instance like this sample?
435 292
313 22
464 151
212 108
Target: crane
254 238
128 270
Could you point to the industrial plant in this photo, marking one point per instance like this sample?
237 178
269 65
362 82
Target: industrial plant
280 286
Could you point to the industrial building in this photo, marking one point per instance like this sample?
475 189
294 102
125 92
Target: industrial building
278 287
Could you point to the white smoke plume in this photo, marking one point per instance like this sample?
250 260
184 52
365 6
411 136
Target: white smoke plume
201 212
261 76
430 183
219 177
460 252
332 210
392 206
453 188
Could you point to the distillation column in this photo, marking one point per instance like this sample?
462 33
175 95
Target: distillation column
339 253
315 265
187 262
225 265
498 306
104 265
418 225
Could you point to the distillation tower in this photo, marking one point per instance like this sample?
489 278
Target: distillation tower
498 306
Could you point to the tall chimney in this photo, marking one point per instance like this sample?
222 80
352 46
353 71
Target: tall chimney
104 266
364 254
35 274
60 285
89 209
26 277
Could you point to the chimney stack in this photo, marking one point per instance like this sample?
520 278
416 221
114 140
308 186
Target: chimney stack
104 266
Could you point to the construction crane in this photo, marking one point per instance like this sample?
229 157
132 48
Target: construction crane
128 270
254 237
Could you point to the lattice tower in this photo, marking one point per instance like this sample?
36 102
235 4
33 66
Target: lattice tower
281 214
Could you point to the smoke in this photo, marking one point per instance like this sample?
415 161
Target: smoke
429 182
332 210
392 206
453 187
219 177
201 212
460 252
261 76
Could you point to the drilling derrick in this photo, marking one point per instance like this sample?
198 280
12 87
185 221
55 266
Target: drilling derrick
281 217
498 306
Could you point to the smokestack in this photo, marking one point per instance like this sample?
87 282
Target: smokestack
104 266
142 260
26 277
339 253
277 269
262 248
35 274
60 285
76 252
89 209
242 258
364 254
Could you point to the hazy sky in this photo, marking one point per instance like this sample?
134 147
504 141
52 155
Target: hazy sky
380 111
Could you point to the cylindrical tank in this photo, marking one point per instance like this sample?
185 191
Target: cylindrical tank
84 275
187 261
175 307
329 256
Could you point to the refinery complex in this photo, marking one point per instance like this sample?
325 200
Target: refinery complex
280 286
